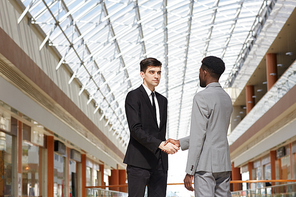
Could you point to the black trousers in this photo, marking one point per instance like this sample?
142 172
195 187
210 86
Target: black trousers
155 180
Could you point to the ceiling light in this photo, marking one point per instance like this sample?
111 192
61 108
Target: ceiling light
279 65
289 53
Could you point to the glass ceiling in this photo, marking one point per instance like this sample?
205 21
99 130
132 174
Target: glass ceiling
103 41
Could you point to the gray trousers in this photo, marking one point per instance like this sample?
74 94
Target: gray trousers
208 184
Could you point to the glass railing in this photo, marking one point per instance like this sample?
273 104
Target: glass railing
98 192
278 90
283 190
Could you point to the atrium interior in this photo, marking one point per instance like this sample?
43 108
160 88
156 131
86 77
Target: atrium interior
66 67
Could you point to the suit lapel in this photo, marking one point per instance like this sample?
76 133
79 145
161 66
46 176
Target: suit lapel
147 100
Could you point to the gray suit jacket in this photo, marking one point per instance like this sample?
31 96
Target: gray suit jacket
207 143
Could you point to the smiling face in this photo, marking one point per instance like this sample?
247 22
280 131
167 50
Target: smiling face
151 77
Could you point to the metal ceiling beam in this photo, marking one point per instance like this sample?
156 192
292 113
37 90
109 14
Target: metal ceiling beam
26 11
191 5
104 8
166 47
80 59
215 7
98 24
238 11
166 52
256 28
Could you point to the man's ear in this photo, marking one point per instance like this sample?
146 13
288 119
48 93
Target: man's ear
204 72
142 74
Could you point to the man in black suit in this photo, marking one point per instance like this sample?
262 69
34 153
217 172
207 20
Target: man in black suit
147 156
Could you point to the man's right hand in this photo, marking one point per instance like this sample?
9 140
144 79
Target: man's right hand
168 148
175 142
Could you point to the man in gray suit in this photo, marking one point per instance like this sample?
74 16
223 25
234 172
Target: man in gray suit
208 157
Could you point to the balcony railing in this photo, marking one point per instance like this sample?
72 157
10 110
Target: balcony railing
286 190
278 90
279 188
98 192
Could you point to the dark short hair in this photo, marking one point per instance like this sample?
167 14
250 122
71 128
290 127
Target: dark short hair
150 61
214 65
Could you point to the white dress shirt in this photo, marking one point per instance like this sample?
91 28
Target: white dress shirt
148 91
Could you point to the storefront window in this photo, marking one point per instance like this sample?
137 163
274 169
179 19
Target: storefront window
94 177
92 171
31 169
286 172
59 175
277 172
266 170
257 173
73 178
294 159
107 174
88 176
267 176
245 177
7 153
258 177
286 165
294 166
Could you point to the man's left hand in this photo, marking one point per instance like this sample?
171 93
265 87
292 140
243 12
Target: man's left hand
188 182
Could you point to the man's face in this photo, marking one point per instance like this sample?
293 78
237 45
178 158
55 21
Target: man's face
152 76
202 81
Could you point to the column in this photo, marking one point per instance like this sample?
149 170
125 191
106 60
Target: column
272 164
40 171
83 174
67 172
236 176
122 180
280 168
102 183
250 101
114 179
50 165
291 161
271 69
19 157
2 170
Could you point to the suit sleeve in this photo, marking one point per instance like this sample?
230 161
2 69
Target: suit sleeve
133 114
199 121
184 143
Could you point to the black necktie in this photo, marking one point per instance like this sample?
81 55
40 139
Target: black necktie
153 104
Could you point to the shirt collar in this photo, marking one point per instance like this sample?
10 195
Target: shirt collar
148 91
213 84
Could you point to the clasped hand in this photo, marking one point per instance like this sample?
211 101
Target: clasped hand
170 146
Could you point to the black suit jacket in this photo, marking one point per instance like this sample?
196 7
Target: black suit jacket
145 135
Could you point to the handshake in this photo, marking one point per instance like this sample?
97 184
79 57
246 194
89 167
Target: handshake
170 146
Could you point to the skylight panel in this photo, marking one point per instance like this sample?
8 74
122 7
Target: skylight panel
109 38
